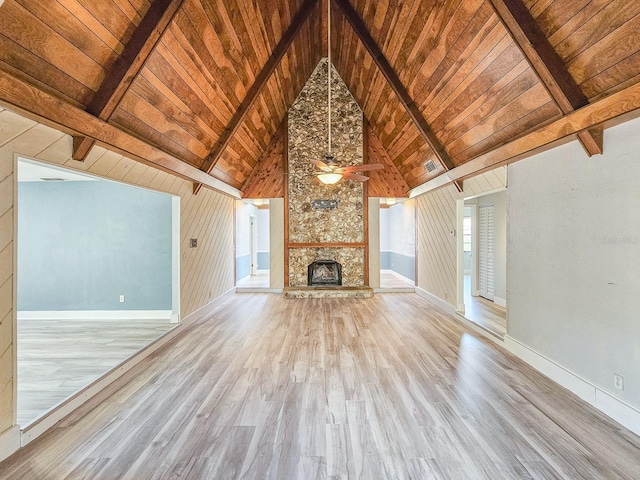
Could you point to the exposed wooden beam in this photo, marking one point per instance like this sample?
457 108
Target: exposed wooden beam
619 106
22 97
256 88
396 85
547 64
127 66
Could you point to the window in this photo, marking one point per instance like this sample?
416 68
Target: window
466 233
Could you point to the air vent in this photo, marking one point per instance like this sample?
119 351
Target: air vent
431 166
52 179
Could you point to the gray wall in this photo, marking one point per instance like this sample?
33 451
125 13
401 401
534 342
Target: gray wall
574 254
83 244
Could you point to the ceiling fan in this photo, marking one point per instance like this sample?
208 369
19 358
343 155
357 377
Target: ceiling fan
330 172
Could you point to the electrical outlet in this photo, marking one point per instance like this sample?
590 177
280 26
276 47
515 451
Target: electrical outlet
618 381
452 233
121 298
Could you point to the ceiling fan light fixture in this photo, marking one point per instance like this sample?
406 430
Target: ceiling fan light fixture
330 178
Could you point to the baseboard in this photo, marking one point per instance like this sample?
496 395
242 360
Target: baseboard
95 315
437 301
395 290
258 290
500 301
9 442
620 411
46 421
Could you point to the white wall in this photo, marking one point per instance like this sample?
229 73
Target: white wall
574 259
402 228
385 245
263 230
243 240
499 201
244 211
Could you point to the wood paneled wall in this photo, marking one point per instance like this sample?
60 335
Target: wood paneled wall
206 272
7 131
436 215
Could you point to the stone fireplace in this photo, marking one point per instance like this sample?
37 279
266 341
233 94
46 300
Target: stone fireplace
315 234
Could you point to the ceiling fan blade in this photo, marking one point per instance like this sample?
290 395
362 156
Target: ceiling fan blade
320 164
353 176
363 168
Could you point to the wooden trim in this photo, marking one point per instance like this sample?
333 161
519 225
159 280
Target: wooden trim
619 106
360 28
328 245
254 91
547 64
43 107
285 170
365 200
127 66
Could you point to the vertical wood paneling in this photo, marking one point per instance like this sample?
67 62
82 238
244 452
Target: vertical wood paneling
206 271
436 216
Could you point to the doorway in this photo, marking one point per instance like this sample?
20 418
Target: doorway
252 245
482 269
97 279
397 245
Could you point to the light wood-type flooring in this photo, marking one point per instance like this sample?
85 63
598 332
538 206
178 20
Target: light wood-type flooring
484 312
392 280
381 388
260 280
56 358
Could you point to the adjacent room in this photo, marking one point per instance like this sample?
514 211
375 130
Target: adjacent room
484 237
397 245
252 245
94 280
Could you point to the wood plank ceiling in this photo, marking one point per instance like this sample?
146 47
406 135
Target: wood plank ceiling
207 83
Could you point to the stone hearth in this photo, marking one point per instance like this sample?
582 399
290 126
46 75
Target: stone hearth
327 292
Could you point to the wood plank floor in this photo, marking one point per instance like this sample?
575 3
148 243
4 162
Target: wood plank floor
56 358
390 279
389 387
484 312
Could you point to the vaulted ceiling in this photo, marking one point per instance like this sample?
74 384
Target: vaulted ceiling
202 87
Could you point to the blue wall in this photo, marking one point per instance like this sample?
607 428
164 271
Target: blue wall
83 244
405 265
264 260
243 267
385 260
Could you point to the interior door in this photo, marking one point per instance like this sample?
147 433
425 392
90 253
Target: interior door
486 249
